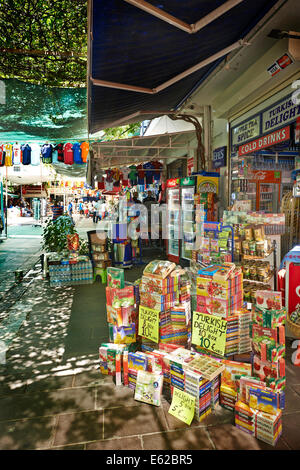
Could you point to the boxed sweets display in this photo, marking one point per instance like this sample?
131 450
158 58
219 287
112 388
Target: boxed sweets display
268 343
115 277
149 387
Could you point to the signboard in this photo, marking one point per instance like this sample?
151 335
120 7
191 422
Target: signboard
149 323
182 406
266 141
207 184
265 176
246 131
188 181
219 157
278 115
209 332
173 182
280 64
213 226
190 166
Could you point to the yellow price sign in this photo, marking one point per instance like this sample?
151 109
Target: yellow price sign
182 406
149 323
209 332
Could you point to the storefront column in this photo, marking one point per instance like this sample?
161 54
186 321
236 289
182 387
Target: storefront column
207 137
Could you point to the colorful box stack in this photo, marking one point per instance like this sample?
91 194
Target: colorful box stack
232 335
201 389
71 272
262 398
107 357
220 290
122 314
244 345
230 382
268 339
265 427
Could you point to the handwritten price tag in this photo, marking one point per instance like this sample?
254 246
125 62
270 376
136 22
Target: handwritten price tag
149 323
182 406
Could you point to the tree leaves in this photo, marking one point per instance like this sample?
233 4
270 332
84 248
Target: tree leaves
58 26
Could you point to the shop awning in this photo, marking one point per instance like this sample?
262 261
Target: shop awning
135 150
146 57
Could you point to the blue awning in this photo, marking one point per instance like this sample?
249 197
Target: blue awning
135 51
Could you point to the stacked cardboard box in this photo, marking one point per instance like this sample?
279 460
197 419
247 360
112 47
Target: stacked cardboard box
99 253
268 339
244 318
232 335
220 290
230 382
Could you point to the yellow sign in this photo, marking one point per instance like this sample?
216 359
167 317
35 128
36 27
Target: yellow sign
149 323
182 406
207 184
209 332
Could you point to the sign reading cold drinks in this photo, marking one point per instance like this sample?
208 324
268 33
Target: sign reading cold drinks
266 141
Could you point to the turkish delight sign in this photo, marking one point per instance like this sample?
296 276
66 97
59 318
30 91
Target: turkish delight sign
209 332
182 406
149 323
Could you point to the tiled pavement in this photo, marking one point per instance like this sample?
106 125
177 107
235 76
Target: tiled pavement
53 397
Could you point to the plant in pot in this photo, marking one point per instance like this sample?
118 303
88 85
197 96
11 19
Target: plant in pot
55 234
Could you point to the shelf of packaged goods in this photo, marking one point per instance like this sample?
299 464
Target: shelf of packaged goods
249 257
266 281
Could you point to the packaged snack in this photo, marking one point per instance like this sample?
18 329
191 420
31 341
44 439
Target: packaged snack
115 277
149 387
159 269
263 400
73 242
249 233
120 297
268 299
259 233
122 334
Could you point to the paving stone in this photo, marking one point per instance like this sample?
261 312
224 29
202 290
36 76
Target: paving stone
71 447
93 377
174 423
290 428
50 383
44 403
187 439
26 434
110 396
292 399
125 443
133 420
228 437
78 428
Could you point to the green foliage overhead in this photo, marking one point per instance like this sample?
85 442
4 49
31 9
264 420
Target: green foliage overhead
38 38
123 132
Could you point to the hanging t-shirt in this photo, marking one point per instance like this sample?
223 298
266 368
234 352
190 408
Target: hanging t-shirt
59 148
149 174
109 176
141 174
84 151
26 154
8 154
125 172
158 166
54 155
68 154
2 155
16 154
46 152
77 153
133 175
35 154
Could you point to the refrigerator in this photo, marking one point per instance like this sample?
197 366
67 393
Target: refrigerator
187 195
268 190
173 219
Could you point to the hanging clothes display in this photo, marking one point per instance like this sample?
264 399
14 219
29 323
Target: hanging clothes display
16 154
68 154
35 154
84 151
2 155
77 152
60 152
26 154
133 175
8 154
46 152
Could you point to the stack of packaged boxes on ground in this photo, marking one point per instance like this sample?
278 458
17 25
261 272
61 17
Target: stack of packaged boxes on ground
99 253
261 397
220 293
70 272
253 391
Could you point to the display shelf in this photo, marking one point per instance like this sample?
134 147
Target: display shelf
262 282
249 257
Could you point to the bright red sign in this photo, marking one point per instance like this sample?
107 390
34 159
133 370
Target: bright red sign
172 182
266 141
